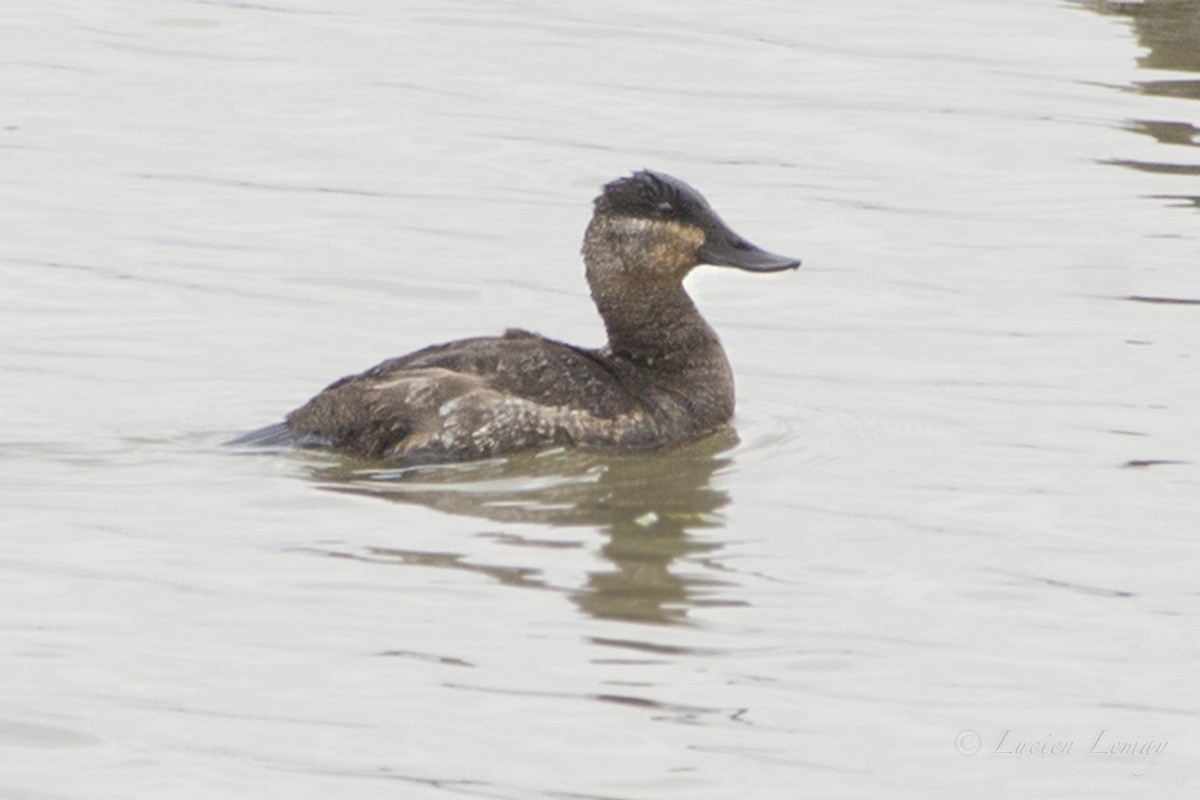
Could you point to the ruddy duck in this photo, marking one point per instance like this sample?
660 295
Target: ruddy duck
662 378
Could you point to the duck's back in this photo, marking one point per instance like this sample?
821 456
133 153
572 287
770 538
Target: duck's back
525 365
475 398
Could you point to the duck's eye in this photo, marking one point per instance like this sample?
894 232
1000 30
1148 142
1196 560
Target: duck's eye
665 209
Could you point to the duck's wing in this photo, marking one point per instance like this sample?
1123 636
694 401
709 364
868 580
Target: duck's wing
469 399
523 365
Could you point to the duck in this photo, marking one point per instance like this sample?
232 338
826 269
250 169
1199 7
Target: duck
661 380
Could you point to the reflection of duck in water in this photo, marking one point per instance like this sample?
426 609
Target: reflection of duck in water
651 508
662 379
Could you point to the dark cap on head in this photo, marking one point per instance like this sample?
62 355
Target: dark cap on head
654 196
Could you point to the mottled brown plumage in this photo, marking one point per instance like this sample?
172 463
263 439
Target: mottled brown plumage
663 377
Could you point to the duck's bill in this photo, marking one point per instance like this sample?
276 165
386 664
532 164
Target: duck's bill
731 250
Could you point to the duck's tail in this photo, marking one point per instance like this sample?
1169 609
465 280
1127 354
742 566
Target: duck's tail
277 435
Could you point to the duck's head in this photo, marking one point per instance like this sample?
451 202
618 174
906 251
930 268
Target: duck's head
658 225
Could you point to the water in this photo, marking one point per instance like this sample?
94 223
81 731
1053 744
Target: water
951 546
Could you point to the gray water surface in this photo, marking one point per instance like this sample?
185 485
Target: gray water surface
952 548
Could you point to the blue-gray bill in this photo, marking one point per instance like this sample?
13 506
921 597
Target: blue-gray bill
724 248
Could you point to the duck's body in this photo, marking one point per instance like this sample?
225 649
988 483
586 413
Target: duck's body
663 378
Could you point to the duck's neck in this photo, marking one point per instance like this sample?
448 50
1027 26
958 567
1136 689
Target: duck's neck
649 317
658 327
